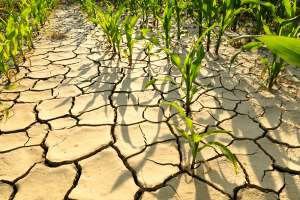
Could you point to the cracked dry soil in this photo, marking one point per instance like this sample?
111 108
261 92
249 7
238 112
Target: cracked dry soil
81 127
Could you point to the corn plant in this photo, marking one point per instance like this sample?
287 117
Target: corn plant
210 11
236 5
129 32
133 6
227 17
179 7
190 10
286 48
195 139
44 10
189 72
155 8
144 5
110 26
4 58
24 28
257 11
198 4
166 21
148 46
11 41
88 6
40 10
5 110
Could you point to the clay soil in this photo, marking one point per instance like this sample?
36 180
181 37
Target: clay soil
81 125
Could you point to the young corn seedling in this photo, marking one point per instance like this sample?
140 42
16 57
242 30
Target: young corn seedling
227 16
189 72
148 45
129 31
286 28
148 48
110 26
179 7
195 140
5 110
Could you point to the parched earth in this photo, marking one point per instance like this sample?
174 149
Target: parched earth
81 126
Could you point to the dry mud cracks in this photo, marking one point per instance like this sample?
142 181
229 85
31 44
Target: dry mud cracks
81 127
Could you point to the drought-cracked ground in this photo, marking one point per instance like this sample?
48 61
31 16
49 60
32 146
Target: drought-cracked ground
81 126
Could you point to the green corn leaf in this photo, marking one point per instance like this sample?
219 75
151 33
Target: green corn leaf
213 132
286 48
194 90
176 60
224 150
145 31
9 87
154 40
134 20
189 124
15 42
267 30
94 20
196 65
125 51
172 82
290 21
265 60
5 111
251 46
182 132
288 8
264 70
150 83
10 28
166 50
181 112
251 1
204 33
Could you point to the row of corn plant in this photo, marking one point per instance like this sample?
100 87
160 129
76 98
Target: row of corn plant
17 31
225 14
189 73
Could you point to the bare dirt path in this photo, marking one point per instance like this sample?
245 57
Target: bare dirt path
81 127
